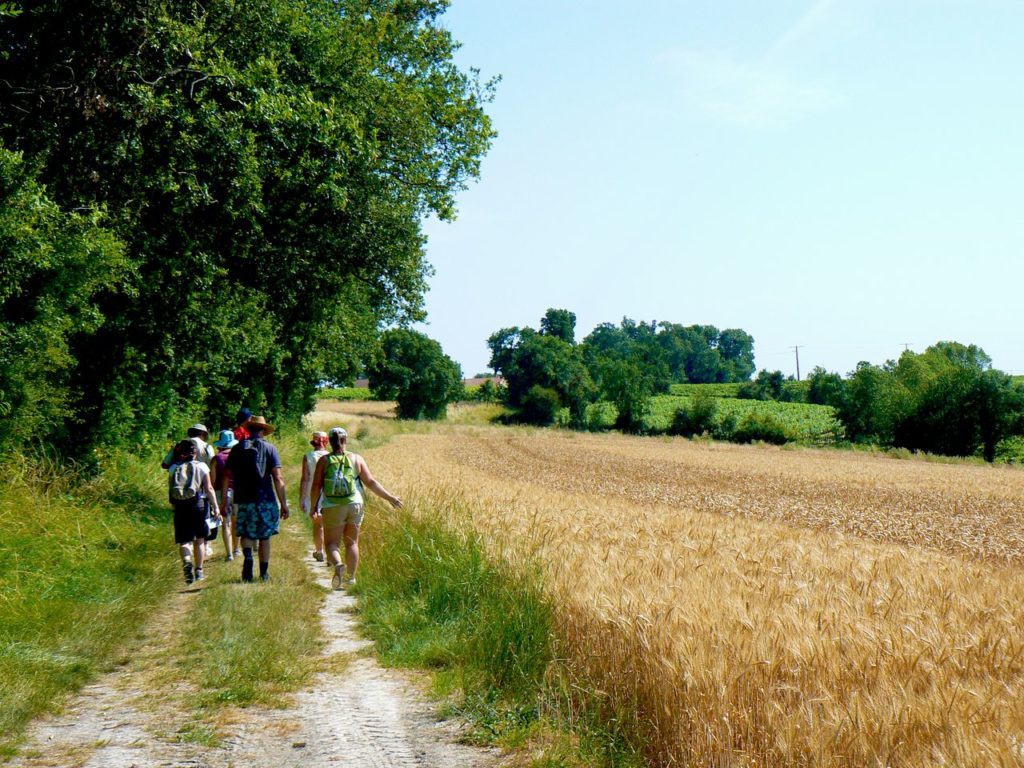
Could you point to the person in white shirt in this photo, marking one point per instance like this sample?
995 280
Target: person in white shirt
319 443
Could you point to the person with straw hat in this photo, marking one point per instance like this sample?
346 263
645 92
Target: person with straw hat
260 496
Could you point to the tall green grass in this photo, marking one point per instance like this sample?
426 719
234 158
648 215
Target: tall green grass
431 597
82 557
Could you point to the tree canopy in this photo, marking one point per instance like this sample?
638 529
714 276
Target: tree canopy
414 371
265 167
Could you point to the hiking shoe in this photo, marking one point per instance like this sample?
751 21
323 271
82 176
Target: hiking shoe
238 552
199 574
247 570
187 568
350 582
336 581
264 577
228 557
318 556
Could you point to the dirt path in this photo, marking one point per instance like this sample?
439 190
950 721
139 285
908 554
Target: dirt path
356 714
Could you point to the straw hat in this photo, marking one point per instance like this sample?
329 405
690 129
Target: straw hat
258 422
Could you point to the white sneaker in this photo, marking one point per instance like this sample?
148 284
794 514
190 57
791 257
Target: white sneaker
350 581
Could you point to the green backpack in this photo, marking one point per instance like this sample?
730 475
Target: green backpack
341 479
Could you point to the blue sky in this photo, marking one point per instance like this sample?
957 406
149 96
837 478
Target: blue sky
840 175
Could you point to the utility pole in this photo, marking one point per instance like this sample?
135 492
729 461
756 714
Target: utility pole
797 351
906 346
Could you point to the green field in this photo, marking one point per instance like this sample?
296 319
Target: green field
714 390
344 393
806 423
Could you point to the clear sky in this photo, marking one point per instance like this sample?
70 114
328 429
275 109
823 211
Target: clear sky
843 175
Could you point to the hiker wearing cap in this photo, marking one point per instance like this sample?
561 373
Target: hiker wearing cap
204 453
188 484
240 431
319 443
199 434
255 468
340 477
220 477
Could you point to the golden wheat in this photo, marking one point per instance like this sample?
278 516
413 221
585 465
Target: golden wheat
749 606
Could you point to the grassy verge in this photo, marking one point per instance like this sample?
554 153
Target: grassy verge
432 598
80 560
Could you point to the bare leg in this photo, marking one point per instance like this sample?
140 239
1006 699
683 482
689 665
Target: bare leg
226 528
332 537
200 552
351 549
318 534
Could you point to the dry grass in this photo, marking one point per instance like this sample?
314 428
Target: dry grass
745 606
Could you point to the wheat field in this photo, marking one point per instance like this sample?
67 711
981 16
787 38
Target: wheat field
743 605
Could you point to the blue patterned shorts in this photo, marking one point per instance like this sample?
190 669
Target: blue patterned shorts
257 520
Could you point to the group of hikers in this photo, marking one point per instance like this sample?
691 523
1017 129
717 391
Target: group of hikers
235 485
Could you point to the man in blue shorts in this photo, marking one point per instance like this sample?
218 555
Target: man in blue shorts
255 467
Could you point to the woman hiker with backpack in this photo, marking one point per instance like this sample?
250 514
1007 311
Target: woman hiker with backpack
340 475
189 490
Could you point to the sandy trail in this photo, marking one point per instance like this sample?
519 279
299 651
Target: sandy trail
363 715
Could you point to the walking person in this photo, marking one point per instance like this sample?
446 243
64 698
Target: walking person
340 476
255 468
319 443
223 485
199 434
188 485
239 429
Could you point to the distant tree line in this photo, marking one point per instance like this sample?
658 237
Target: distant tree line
210 205
546 371
947 400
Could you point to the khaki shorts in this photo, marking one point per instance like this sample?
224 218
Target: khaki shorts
345 514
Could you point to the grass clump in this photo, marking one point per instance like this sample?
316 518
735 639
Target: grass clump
82 557
431 597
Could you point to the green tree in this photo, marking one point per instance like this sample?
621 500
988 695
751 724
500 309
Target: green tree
55 271
824 388
769 385
736 350
414 371
268 167
560 323
528 359
625 383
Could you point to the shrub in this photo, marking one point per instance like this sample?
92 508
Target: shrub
540 406
763 427
1010 450
698 419
600 416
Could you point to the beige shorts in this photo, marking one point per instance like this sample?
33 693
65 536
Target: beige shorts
345 514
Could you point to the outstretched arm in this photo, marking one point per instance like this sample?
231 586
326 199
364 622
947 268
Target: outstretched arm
371 482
